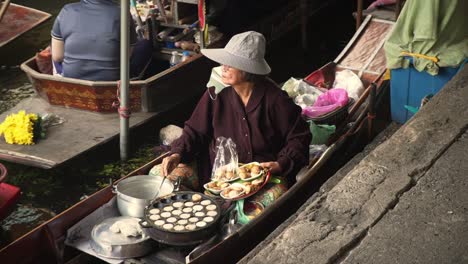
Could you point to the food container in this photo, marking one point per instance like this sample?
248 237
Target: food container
135 193
246 172
180 220
118 245
219 186
234 191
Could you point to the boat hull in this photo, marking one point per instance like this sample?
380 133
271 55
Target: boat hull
168 87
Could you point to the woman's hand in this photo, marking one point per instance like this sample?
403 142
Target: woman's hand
273 166
169 163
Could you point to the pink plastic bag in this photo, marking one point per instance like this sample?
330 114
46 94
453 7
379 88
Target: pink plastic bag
326 103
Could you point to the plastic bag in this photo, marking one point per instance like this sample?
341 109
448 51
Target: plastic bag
321 133
226 160
44 61
349 81
296 87
326 103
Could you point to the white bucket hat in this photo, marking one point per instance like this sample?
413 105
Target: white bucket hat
244 51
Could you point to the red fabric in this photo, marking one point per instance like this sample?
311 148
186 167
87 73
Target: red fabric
44 61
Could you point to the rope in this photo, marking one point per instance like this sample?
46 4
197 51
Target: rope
123 111
417 55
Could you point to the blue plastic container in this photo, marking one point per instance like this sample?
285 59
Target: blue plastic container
409 86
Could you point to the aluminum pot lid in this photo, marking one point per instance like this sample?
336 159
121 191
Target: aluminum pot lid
118 231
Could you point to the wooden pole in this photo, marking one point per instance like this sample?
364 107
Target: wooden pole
398 9
4 8
359 14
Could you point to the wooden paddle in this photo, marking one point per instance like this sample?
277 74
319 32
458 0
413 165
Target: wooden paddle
5 5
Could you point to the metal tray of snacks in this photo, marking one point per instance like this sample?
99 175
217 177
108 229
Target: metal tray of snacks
182 218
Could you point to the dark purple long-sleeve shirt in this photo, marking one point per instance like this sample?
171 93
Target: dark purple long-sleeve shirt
269 128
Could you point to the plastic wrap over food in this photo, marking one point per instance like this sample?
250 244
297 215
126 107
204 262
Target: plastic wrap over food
226 160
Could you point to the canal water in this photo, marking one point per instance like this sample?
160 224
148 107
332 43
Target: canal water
46 193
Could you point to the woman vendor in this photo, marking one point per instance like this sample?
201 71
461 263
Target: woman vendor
253 111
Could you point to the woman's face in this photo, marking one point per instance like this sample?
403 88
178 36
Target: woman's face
231 76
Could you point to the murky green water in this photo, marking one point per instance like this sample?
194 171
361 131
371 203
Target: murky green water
48 192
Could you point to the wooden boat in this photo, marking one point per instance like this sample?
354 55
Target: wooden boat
151 100
17 19
45 244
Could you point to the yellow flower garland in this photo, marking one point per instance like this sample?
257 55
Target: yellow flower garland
18 128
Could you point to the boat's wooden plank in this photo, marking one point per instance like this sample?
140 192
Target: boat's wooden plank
80 132
18 20
365 46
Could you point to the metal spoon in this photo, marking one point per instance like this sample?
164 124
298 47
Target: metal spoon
159 189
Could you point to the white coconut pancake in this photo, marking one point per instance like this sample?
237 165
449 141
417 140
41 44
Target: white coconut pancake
185 216
187 210
165 214
211 213
205 202
154 211
154 217
182 222
211 207
190 227
199 214
168 226
201 224
168 208
188 204
178 204
208 219
193 220
176 212
159 222
198 207
196 197
171 220
179 228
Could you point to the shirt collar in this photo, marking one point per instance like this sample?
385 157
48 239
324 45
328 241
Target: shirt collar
255 98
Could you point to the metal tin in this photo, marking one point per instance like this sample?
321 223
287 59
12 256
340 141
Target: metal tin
108 244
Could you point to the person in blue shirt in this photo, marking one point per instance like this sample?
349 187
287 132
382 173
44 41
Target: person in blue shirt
86 41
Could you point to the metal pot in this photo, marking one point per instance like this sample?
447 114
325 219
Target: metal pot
136 192
108 244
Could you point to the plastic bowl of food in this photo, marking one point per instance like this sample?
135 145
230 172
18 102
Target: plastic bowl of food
250 171
216 187
232 192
